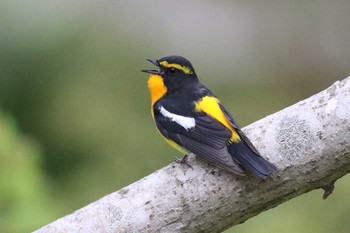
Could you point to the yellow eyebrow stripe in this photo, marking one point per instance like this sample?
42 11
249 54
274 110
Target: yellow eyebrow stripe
184 69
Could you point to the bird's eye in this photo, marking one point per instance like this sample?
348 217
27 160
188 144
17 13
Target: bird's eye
172 70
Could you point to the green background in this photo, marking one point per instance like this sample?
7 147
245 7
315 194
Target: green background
75 119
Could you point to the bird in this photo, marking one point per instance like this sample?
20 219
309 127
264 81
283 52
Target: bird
193 120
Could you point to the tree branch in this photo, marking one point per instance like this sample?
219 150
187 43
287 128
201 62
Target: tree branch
309 142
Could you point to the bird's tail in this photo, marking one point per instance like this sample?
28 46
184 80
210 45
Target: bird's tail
250 160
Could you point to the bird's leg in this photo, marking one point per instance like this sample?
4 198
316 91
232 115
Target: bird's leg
183 161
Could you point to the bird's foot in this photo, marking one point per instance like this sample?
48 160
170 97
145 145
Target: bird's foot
183 161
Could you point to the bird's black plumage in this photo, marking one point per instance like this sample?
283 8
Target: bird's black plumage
189 115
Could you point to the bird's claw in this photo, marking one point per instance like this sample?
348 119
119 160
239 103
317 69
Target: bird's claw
183 161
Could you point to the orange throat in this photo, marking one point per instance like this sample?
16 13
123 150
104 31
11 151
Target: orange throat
156 87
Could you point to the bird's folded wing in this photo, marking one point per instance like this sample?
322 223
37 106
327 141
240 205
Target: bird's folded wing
234 124
208 139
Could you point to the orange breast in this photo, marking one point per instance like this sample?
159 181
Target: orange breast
156 87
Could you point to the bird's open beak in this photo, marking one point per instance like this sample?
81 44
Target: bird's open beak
154 62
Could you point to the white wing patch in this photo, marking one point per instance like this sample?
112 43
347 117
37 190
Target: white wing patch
186 122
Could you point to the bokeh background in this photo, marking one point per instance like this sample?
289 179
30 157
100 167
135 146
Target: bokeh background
75 119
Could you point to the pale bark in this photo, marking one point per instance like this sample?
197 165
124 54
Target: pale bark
309 143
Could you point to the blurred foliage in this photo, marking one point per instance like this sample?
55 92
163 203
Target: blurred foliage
24 192
70 76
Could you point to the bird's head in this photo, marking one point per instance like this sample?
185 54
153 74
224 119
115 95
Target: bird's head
172 66
173 72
